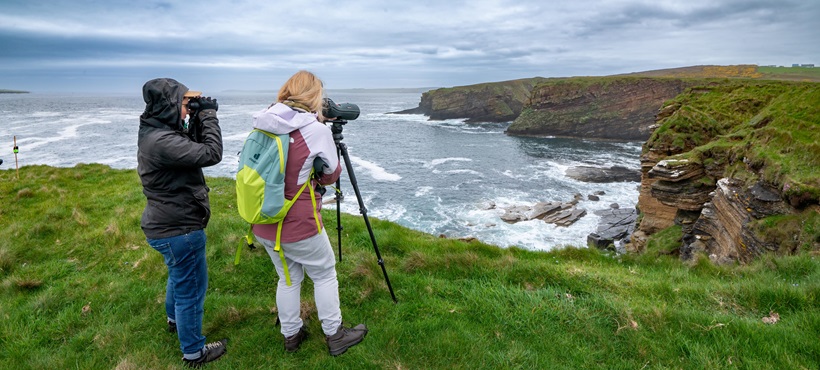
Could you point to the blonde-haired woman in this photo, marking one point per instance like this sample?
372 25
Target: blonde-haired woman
304 245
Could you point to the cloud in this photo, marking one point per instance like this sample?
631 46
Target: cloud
389 44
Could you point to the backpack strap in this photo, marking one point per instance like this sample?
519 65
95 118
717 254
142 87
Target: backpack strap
315 209
248 241
278 246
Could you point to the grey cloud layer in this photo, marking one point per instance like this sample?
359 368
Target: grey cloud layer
452 42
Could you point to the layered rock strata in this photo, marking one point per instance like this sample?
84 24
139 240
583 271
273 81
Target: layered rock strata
621 108
724 164
723 229
488 102
557 213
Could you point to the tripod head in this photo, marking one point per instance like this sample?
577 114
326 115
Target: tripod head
336 128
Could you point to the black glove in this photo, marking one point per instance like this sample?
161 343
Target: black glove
206 102
319 165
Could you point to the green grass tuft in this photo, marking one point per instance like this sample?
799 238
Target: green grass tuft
80 288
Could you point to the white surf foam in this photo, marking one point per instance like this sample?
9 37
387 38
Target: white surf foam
439 161
375 171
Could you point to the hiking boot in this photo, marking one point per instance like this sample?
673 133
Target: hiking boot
345 338
172 327
293 342
211 352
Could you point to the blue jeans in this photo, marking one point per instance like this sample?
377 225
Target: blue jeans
187 282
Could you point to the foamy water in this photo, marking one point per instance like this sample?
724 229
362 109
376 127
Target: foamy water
434 176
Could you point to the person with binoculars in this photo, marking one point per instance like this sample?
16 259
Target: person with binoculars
304 244
170 156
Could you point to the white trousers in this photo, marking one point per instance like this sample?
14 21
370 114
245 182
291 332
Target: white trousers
315 257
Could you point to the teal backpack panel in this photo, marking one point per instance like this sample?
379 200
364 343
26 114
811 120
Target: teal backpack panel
260 178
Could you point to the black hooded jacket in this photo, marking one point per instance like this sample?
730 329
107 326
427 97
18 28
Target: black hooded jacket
170 163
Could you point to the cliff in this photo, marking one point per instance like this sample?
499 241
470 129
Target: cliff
736 165
620 108
487 102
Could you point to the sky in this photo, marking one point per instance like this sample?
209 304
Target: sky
115 46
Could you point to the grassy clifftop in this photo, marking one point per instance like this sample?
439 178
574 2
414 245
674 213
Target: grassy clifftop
505 101
768 130
746 71
80 288
487 102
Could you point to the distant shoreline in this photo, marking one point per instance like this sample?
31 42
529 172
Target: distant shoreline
4 91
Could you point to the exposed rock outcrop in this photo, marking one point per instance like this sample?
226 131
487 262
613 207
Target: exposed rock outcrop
558 213
603 174
615 227
621 108
725 158
723 229
488 102
680 185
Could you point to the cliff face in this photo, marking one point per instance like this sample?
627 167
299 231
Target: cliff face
620 108
737 166
489 102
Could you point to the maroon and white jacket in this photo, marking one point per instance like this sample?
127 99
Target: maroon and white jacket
309 139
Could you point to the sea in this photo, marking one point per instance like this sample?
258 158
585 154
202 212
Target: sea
448 178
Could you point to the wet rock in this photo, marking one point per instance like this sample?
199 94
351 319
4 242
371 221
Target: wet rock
515 213
566 217
542 209
603 174
559 213
594 198
615 225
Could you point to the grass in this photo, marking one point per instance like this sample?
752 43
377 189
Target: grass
80 288
791 73
767 129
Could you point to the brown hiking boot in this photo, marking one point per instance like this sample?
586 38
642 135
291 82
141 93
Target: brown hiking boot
345 338
293 342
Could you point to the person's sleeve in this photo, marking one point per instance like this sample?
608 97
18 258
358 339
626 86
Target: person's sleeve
179 151
329 155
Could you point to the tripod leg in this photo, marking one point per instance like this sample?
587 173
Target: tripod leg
339 227
343 149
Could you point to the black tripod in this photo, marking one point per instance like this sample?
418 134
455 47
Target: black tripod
341 148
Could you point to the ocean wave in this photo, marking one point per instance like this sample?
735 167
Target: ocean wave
439 161
470 172
423 190
375 171
46 114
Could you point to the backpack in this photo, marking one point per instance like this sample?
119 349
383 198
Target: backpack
260 184
260 178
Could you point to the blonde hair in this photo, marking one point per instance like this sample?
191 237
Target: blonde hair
303 88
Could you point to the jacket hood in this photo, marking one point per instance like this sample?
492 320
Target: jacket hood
281 119
163 100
